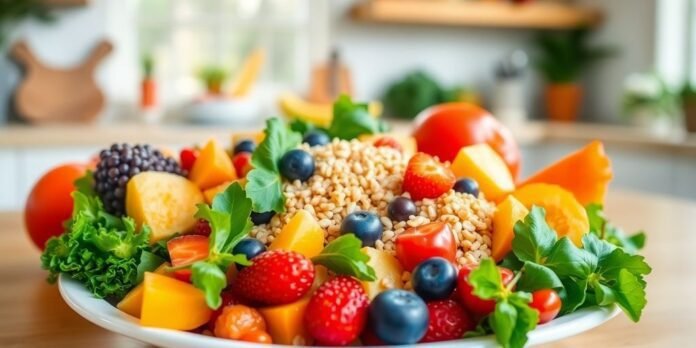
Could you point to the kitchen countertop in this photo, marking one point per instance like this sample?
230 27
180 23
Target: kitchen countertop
32 313
23 136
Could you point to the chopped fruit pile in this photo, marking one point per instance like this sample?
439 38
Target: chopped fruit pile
347 235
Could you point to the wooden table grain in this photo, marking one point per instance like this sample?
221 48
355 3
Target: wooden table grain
32 313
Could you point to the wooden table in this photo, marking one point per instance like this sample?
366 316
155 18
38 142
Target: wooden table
32 313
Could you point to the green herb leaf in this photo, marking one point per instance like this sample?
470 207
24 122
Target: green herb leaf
512 319
148 263
604 230
211 279
630 294
265 190
343 256
604 295
611 266
573 294
234 201
533 238
502 321
85 184
567 260
486 280
351 120
536 277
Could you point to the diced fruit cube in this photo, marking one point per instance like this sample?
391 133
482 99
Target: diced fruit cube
236 321
210 193
586 173
185 250
387 269
481 163
213 167
165 202
426 177
420 243
172 304
132 303
407 143
285 322
507 213
301 234
563 212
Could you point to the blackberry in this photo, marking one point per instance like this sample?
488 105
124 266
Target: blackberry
121 162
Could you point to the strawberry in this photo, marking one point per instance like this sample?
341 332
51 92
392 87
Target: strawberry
388 142
187 157
275 277
202 227
242 163
426 177
185 250
448 321
337 311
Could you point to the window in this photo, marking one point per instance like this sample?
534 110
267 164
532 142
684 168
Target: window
183 36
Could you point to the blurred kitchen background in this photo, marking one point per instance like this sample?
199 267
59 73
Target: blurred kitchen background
77 75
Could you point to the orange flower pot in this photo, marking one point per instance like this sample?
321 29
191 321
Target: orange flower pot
563 101
148 93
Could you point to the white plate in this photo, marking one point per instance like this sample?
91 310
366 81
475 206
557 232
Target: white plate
103 314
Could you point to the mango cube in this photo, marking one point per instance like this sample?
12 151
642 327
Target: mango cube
285 323
172 304
301 234
481 163
132 303
387 269
210 193
506 215
164 201
213 167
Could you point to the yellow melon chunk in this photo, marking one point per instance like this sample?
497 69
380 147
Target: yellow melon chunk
210 193
256 137
302 234
164 201
132 303
285 323
507 213
213 167
483 164
407 142
172 304
387 269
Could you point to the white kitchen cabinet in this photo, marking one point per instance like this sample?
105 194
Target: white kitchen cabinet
9 192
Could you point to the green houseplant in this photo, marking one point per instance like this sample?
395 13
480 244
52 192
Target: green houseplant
649 102
561 57
688 100
213 76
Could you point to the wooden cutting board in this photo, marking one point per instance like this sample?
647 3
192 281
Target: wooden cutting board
50 95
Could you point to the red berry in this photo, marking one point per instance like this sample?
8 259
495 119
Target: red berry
337 311
471 302
426 177
242 163
388 142
188 157
202 227
369 338
185 250
448 321
228 299
275 277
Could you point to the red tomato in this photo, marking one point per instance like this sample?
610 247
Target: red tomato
472 302
388 142
547 303
50 203
185 250
444 129
187 157
242 163
423 242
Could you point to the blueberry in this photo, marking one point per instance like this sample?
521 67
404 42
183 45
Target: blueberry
401 208
467 185
244 146
297 165
261 218
364 225
434 279
316 137
251 247
398 317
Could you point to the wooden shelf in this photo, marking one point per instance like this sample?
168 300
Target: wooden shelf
536 15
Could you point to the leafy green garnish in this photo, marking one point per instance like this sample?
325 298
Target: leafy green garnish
350 120
230 222
600 226
264 182
100 250
343 256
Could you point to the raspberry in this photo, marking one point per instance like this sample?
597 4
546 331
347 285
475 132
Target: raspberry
337 311
448 321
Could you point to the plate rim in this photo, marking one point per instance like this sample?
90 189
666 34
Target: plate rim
83 303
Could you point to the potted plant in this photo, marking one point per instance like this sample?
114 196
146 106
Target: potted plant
148 85
213 77
649 103
561 58
688 103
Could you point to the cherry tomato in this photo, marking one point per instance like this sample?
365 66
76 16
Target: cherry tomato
547 303
444 129
50 203
242 163
472 302
185 250
423 242
187 157
388 142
